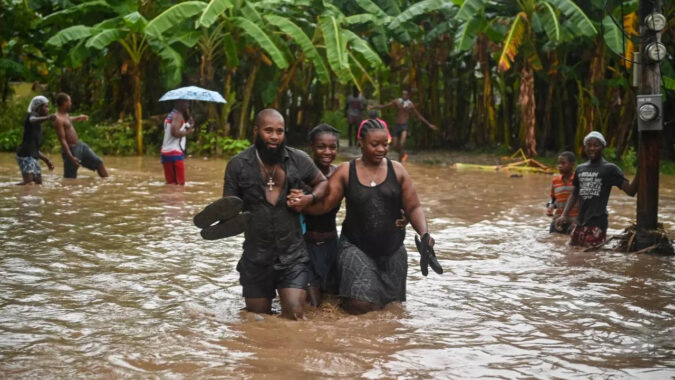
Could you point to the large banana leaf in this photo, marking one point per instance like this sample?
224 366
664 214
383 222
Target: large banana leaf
380 40
187 38
77 54
336 47
107 24
613 36
549 21
298 35
135 22
513 41
171 60
212 11
356 66
250 13
104 38
73 33
173 16
362 18
96 5
466 33
11 67
577 18
360 46
373 9
263 40
415 10
231 54
470 9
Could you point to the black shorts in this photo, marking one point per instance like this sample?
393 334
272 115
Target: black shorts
400 128
87 157
322 257
262 281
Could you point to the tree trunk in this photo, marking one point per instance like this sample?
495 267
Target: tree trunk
286 81
489 119
248 91
138 108
227 107
527 111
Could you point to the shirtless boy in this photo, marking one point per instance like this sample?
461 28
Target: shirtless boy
75 153
404 107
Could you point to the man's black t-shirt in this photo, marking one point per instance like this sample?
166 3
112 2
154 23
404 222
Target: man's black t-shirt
593 182
32 139
275 234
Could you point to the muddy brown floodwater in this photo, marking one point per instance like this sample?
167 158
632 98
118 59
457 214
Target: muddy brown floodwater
110 279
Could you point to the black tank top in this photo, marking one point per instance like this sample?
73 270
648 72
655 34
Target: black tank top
32 139
322 223
370 223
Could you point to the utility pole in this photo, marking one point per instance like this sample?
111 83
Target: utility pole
650 117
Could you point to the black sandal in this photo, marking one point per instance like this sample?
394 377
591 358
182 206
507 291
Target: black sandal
227 228
427 255
223 209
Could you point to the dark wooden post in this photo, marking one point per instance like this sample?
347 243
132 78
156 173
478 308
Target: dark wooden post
650 141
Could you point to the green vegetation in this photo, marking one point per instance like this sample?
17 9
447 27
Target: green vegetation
495 75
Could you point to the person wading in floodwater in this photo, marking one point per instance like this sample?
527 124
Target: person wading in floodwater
177 125
593 181
275 256
354 107
372 261
29 151
321 235
74 152
404 106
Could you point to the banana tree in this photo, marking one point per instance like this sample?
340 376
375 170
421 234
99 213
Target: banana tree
287 42
556 21
137 36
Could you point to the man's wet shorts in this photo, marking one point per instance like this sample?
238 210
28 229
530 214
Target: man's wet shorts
29 165
87 158
262 281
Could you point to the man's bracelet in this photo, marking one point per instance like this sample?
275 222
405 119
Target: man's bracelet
313 197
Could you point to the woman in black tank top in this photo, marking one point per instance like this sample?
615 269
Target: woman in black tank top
321 235
372 261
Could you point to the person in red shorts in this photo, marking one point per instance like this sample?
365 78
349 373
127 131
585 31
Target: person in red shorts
561 188
593 181
177 125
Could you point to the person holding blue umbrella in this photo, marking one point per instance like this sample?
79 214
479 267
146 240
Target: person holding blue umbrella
177 125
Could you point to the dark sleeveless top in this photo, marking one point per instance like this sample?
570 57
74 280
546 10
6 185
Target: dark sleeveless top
32 139
322 223
370 223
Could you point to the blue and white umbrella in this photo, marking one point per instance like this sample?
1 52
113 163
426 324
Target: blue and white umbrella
193 93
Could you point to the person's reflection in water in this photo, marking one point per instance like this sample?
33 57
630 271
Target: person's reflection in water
174 203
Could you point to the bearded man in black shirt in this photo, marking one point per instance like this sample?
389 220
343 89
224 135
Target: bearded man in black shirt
275 256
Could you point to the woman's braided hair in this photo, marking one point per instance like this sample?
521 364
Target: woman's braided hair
323 128
369 125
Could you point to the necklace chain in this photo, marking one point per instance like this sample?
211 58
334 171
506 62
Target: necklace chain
372 177
270 177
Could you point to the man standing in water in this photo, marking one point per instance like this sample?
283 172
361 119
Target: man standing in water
356 102
404 106
177 125
73 151
275 256
593 181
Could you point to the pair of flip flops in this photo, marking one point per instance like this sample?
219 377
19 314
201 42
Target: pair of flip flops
427 255
222 218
